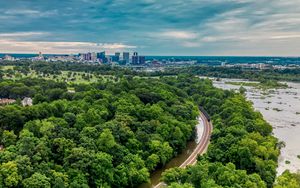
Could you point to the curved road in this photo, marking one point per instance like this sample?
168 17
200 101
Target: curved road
200 149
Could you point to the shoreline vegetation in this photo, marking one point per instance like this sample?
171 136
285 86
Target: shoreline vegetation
264 85
238 73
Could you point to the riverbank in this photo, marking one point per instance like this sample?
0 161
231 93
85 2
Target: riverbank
280 107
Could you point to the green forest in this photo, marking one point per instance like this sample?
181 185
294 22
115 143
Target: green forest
239 72
106 134
115 132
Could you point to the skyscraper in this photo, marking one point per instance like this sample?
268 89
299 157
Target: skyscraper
135 58
116 57
87 56
117 54
101 57
142 60
126 57
93 57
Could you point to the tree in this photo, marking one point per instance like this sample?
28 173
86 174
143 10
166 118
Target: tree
8 138
9 174
163 150
152 161
102 169
106 140
242 90
173 175
288 180
37 180
59 180
133 169
25 167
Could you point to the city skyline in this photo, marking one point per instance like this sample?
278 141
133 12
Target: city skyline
152 27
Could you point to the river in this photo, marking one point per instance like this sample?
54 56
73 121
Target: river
281 108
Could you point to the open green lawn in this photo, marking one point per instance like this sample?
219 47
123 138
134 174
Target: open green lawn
7 67
65 76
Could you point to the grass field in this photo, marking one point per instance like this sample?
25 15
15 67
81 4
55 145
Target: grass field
65 76
6 67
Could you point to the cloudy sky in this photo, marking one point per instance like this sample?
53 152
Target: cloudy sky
152 27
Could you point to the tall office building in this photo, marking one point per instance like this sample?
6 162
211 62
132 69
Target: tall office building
101 56
126 57
87 56
142 60
93 57
108 59
135 58
116 57
138 60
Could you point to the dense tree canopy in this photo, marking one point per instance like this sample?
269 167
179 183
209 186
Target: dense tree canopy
115 132
111 134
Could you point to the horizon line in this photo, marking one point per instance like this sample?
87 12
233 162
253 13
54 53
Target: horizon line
280 56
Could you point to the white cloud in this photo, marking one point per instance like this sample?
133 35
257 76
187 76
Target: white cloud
30 12
177 35
21 42
13 46
22 34
21 11
290 36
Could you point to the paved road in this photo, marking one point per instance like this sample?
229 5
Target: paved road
200 149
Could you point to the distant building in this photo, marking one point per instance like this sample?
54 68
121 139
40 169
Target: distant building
8 58
64 58
121 59
27 101
156 63
101 56
116 57
138 60
87 56
108 59
142 60
40 57
126 57
6 101
93 57
122 62
135 58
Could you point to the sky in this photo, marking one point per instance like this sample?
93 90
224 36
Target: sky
152 27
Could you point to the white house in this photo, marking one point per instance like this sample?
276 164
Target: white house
27 101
